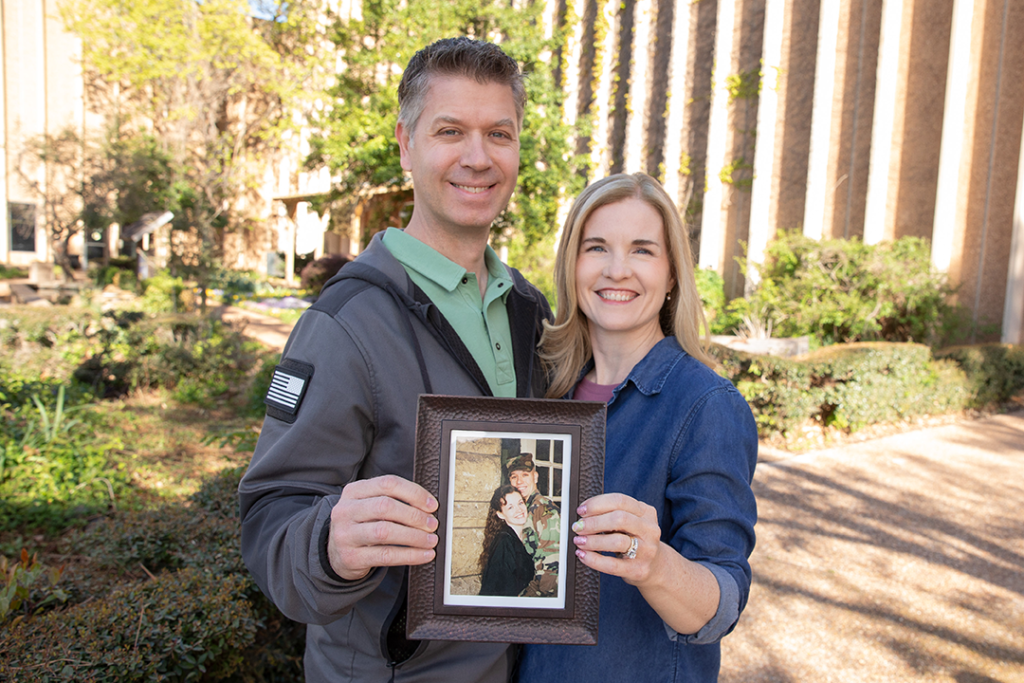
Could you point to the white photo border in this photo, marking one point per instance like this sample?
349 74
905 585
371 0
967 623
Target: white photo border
563 518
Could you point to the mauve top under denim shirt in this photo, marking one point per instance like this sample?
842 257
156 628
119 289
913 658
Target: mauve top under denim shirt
682 439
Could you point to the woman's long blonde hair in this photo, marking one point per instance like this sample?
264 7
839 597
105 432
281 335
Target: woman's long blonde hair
565 346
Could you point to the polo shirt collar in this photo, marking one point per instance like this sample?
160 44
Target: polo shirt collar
439 269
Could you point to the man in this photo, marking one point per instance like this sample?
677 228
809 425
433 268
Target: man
542 533
330 518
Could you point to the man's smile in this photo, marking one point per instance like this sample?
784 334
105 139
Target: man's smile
472 190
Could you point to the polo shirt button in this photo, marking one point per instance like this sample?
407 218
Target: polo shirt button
465 280
498 346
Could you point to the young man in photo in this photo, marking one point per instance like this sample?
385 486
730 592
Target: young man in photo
542 534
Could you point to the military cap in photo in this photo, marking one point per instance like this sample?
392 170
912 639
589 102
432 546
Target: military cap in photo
523 461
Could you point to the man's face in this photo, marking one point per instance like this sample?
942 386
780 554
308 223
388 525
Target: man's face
524 482
463 155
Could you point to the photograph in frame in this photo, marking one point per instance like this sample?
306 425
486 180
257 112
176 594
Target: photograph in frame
508 475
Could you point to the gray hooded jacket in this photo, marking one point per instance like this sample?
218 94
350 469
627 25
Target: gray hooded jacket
367 349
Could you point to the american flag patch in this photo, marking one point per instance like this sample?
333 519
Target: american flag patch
287 388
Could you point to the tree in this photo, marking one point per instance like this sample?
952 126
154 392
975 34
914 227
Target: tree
52 166
356 134
214 86
87 184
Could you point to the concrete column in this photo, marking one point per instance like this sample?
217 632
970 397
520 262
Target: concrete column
821 118
1013 307
572 74
677 101
712 232
795 107
602 129
887 87
917 134
954 134
761 227
985 208
635 152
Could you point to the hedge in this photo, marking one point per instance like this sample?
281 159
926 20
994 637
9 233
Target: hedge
199 618
186 626
850 386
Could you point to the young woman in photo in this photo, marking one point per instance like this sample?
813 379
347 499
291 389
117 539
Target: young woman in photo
506 567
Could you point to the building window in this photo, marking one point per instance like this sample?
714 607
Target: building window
22 219
548 460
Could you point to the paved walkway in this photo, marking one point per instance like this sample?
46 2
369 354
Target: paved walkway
898 559
271 331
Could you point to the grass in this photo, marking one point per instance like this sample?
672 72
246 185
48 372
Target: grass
166 446
164 453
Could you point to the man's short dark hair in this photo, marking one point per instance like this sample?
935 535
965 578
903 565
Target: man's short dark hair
482 61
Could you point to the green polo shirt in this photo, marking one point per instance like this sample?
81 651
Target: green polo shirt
482 324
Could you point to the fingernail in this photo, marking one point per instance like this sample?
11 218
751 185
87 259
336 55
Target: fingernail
579 540
580 554
582 510
432 538
432 502
432 524
578 526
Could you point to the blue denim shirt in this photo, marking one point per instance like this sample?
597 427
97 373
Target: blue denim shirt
682 439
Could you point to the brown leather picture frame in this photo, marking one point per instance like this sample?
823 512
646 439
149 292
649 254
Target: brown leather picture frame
464 446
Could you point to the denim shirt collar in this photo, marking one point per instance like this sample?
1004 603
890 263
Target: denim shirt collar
649 375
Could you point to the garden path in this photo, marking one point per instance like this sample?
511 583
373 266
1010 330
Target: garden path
898 559
270 331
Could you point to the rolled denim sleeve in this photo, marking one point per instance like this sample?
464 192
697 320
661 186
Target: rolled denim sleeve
712 506
725 618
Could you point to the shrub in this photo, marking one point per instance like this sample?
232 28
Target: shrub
200 360
316 274
711 289
187 626
870 383
851 386
254 406
838 291
163 293
236 284
200 618
120 272
995 372
777 389
218 494
29 587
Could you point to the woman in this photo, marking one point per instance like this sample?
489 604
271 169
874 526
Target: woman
672 535
505 565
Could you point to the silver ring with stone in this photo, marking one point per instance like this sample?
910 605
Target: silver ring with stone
631 553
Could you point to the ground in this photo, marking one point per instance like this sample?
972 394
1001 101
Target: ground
899 559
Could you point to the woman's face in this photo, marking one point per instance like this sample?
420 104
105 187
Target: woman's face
623 270
513 509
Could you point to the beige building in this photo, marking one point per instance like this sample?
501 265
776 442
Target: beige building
841 118
42 93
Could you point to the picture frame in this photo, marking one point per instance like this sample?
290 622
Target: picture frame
465 447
